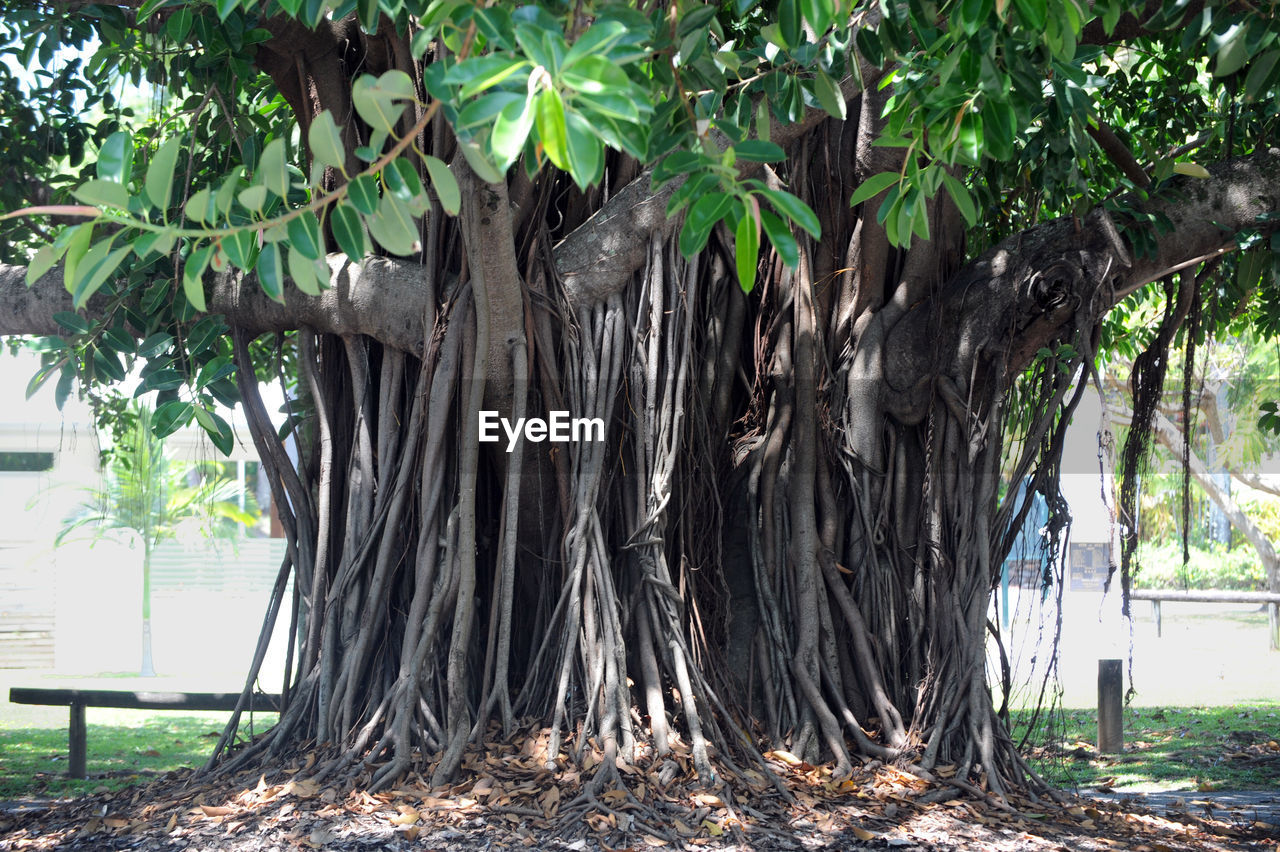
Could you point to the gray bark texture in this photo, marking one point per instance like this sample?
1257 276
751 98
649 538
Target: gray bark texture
1017 295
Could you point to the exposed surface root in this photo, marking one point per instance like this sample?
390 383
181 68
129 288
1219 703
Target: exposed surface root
506 798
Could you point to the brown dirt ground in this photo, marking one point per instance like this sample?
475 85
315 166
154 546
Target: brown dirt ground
509 802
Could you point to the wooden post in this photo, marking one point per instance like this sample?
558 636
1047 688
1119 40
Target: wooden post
1155 612
76 742
1273 625
1110 706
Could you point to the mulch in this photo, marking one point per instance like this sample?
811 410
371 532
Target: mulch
509 801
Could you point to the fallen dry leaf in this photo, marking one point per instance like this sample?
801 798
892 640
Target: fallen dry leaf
216 810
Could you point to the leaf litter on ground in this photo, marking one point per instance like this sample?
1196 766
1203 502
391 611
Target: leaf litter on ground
508 799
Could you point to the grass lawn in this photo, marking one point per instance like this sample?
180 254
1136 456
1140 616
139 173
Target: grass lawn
1166 748
124 746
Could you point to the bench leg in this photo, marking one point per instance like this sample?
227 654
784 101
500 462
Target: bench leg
76 744
1155 611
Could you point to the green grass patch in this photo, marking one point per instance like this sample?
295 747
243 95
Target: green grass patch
1166 748
136 747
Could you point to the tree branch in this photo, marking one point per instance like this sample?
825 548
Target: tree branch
385 299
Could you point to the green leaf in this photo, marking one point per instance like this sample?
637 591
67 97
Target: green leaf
694 187
225 8
795 210
377 101
596 75
115 158
969 140
964 201
157 242
510 130
1255 84
119 340
445 185
193 277
1034 13
819 13
253 198
368 13
703 215
828 95
790 24
225 197
304 235
586 154
73 323
272 169
241 248
758 151
162 380
302 270
484 168
271 272
999 121
780 237
973 15
873 186
170 417
363 194
1249 269
348 230
41 262
214 426
870 47
402 180
107 364
549 117
597 40
325 142
179 24
159 182
199 206
483 72
95 270
40 379
394 228
154 344
747 248
1233 55
78 240
695 18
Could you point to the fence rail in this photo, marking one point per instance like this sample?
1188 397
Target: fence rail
1159 596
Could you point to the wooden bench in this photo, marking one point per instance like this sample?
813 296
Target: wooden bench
78 699
1271 599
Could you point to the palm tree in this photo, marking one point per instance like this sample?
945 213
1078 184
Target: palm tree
145 492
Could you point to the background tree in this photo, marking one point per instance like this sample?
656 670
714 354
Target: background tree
145 493
826 271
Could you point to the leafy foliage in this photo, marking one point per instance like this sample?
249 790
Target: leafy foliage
999 103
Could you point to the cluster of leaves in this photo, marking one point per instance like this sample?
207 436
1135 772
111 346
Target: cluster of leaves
995 100
515 85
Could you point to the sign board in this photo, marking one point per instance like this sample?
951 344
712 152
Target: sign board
1088 565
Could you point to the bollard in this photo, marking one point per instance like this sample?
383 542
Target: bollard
1110 706
1273 625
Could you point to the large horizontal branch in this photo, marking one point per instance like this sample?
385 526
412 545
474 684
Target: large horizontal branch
1052 281
388 300
1030 285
